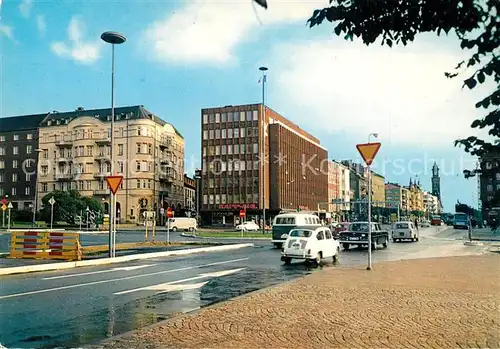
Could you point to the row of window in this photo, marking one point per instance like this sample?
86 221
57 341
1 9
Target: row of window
101 185
231 116
237 181
489 187
230 199
15 163
29 136
13 191
231 133
216 167
15 150
15 177
231 149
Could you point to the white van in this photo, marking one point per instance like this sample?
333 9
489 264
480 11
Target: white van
183 223
285 222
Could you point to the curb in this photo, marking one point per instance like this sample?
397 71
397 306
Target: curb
473 243
121 259
223 238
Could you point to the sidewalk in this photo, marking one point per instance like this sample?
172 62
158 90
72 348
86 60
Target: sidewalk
486 234
428 303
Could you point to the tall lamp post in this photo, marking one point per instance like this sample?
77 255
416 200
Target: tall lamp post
35 203
113 38
375 135
263 151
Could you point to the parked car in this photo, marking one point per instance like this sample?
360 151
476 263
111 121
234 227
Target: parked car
425 224
248 226
405 231
310 244
182 223
436 220
357 235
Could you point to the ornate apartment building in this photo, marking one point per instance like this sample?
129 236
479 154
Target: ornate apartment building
75 153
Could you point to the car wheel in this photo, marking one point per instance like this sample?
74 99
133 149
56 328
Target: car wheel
318 258
374 246
386 243
191 229
394 240
174 229
345 246
416 239
336 255
278 245
288 260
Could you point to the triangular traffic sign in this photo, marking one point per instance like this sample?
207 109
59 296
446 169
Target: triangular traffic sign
114 183
368 151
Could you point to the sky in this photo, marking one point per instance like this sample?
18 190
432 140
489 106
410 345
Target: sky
182 56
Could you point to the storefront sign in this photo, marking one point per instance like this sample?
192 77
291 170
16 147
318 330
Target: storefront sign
238 206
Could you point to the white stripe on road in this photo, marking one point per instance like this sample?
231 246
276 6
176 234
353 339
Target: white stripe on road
167 285
118 279
101 271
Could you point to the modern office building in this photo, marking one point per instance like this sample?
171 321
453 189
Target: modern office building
75 153
254 158
18 159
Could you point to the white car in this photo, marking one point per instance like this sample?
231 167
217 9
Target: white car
248 226
425 224
310 244
404 231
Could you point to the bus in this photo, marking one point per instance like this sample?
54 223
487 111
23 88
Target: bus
461 221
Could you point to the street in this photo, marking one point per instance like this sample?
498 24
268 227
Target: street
85 305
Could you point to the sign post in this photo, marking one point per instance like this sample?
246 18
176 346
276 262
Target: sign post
4 207
170 214
10 207
52 201
114 183
242 220
368 151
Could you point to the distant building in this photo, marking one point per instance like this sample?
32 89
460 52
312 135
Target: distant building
394 195
436 181
432 206
19 159
333 186
490 184
378 190
189 194
416 197
235 176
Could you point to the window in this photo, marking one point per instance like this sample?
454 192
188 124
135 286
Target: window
236 149
217 134
2 164
29 149
205 134
217 150
211 134
223 117
27 191
236 132
138 166
144 166
211 118
29 136
255 115
15 150
205 199
28 177
14 177
249 131
223 149
1 177
217 199
138 184
2 138
150 149
205 118
242 116
120 149
255 148
2 151
204 151
498 176
242 133
14 191
15 164
211 199
230 133
120 166
138 148
16 137
256 132
217 117
149 183
89 167
223 136
45 187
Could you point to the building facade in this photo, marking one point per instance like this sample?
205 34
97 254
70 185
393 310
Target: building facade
416 197
432 205
18 159
75 153
254 159
345 188
334 191
489 185
378 190
394 195
189 194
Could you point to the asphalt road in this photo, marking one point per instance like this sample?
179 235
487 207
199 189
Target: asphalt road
85 305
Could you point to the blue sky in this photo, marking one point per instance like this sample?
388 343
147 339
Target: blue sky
184 56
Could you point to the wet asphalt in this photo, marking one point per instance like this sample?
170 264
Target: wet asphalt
75 307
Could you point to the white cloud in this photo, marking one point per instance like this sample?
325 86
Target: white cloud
207 31
348 88
8 31
41 24
77 48
25 7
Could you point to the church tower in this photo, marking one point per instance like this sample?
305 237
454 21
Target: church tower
436 181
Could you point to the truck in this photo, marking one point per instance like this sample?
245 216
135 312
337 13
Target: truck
357 235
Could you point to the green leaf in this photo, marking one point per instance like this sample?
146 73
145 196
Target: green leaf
389 42
480 77
471 83
476 123
338 30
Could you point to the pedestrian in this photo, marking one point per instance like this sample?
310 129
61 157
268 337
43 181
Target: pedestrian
416 223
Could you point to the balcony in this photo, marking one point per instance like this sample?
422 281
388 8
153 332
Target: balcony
102 174
101 192
167 162
102 157
63 176
165 143
167 177
64 143
64 159
103 140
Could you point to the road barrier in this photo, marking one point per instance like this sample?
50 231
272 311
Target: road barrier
45 245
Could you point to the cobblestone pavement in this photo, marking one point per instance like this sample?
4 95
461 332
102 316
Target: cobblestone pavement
451 302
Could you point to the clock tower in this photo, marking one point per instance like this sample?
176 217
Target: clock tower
436 181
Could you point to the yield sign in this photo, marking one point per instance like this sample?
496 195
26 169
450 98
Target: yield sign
114 183
368 151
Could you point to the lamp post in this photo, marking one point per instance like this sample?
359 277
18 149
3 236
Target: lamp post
113 38
35 203
369 267
263 151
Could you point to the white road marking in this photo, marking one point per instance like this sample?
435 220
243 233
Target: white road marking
181 287
118 279
168 284
101 271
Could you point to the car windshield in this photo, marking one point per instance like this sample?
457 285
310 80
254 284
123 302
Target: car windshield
402 226
359 227
301 233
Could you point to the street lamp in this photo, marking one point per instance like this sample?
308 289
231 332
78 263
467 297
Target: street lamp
264 78
375 135
35 204
113 38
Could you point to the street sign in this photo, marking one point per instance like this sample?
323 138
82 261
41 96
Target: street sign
4 207
368 151
242 213
162 211
114 183
10 206
4 201
170 212
52 201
